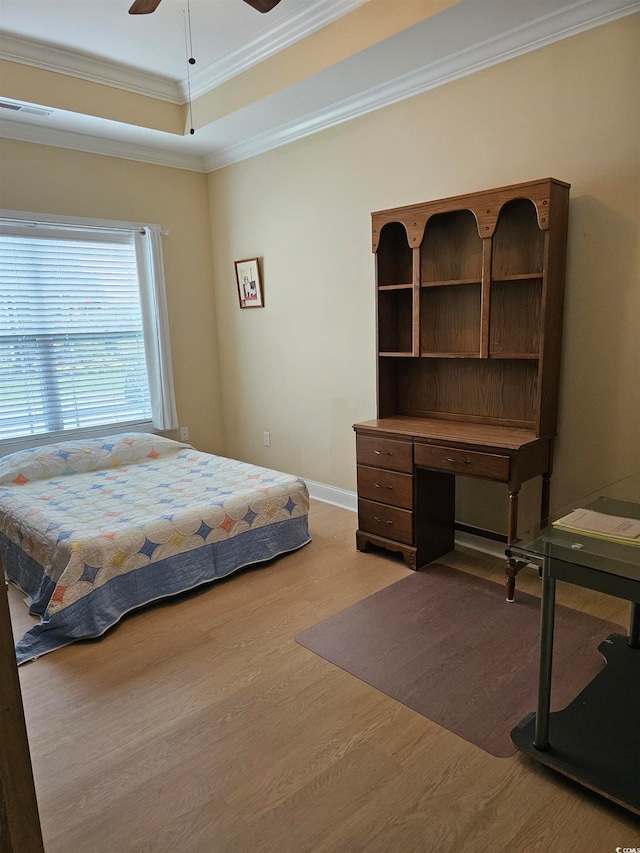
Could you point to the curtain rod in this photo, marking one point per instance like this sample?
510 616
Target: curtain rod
34 223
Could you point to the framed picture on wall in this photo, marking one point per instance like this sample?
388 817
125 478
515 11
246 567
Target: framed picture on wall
249 284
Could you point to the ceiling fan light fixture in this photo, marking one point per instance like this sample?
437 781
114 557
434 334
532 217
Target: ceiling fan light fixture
262 5
145 7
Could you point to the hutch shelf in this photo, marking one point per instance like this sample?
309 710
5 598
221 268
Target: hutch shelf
469 297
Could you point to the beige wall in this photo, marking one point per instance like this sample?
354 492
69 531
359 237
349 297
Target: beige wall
65 92
43 179
304 366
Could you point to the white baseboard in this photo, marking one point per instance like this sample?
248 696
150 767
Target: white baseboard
332 495
349 500
480 543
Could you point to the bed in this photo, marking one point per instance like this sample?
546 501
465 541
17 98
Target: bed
92 529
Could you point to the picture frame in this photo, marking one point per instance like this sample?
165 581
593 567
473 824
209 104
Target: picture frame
249 283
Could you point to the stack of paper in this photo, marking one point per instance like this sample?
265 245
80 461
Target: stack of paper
611 527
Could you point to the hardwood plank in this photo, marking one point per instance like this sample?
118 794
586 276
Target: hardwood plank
200 724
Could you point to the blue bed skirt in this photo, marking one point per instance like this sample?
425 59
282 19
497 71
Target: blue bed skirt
93 615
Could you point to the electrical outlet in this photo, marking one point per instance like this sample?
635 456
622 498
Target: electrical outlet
267 439
184 433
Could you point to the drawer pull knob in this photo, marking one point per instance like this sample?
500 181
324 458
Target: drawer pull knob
382 520
451 459
378 486
383 452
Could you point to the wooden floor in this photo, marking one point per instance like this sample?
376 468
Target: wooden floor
200 725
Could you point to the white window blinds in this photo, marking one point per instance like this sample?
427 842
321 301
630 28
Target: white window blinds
72 347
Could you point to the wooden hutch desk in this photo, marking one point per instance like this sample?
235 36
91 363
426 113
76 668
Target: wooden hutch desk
469 297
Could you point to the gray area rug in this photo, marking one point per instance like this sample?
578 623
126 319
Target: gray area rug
448 645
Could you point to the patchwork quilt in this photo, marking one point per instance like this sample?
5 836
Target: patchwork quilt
92 529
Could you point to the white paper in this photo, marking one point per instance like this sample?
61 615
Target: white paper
599 523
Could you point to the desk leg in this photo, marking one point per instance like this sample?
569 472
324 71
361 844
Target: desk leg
547 617
634 626
511 569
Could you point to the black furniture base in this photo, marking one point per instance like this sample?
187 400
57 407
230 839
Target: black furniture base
594 740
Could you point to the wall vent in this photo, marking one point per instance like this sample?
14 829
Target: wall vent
23 108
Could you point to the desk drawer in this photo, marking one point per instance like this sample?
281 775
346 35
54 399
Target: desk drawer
468 462
389 487
385 453
387 521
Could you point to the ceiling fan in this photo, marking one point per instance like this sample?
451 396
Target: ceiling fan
145 7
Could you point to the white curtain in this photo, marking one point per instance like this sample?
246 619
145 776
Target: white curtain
156 327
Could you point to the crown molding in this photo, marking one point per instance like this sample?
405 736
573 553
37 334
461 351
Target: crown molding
308 19
582 16
22 132
85 67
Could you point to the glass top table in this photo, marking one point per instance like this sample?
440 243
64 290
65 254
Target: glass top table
593 740
619 499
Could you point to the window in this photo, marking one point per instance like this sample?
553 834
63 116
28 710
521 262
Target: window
83 332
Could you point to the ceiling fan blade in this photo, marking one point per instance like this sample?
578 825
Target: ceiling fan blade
263 5
144 7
